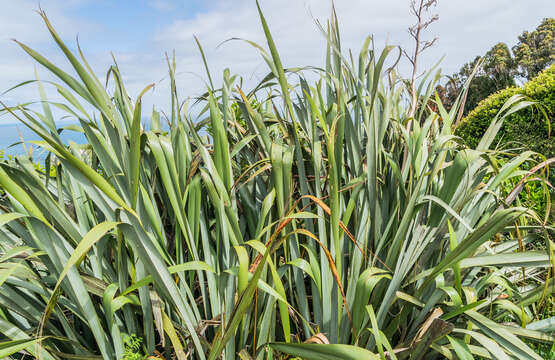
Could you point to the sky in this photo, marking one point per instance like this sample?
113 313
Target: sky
140 32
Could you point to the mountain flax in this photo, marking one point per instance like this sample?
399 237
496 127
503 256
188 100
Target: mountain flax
301 218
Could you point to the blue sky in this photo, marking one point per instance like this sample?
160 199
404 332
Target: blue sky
139 32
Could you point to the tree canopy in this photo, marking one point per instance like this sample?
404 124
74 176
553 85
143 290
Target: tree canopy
536 50
500 67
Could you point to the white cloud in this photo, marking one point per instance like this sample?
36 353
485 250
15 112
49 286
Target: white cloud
292 23
465 29
20 20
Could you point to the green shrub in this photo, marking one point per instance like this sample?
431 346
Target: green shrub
526 128
133 348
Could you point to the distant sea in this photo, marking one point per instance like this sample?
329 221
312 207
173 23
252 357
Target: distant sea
11 136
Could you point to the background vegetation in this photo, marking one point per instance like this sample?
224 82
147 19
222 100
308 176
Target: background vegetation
500 67
529 128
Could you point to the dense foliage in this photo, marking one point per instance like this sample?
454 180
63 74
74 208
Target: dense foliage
529 128
536 49
499 68
321 215
496 70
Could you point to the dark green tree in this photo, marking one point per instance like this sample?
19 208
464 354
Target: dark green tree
500 66
535 50
497 70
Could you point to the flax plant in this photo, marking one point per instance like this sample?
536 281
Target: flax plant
301 218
